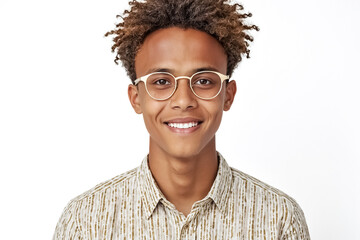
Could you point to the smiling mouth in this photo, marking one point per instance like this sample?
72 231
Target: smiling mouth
183 125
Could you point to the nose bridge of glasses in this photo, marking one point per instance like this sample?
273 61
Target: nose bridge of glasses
186 87
182 77
187 82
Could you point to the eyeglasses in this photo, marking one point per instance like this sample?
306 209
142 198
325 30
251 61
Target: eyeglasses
162 85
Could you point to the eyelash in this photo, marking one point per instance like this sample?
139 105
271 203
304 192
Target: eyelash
157 82
208 81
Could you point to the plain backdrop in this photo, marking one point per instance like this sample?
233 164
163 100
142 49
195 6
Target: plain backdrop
66 123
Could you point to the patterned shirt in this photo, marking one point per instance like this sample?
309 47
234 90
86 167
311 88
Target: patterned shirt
131 206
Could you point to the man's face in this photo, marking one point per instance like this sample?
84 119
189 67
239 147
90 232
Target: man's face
182 53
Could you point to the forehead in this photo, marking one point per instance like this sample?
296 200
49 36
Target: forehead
182 51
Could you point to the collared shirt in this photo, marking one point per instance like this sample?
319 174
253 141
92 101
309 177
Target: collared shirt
131 206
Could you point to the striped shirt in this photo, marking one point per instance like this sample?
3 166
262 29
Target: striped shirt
131 206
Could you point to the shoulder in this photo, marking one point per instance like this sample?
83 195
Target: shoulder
107 190
95 207
241 179
263 201
259 193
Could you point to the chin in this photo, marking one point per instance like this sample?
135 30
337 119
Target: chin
185 151
182 147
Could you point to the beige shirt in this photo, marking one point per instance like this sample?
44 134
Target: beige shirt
131 206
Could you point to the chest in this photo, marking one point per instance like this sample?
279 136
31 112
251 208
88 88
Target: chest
208 222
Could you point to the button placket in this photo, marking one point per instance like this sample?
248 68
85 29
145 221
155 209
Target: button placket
183 230
188 228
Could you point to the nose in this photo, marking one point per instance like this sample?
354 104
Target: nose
183 98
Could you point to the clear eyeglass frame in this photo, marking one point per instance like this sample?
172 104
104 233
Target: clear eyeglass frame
144 79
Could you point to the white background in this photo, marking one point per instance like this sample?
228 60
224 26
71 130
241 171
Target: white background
66 124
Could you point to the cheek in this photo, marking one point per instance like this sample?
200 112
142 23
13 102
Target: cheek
219 108
149 106
215 111
218 118
152 110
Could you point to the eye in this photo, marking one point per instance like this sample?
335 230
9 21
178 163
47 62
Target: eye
203 81
162 82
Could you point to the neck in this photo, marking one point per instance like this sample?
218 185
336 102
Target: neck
184 180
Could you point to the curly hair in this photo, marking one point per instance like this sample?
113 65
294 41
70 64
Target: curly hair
219 18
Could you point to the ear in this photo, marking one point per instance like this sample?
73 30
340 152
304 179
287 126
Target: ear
133 93
230 92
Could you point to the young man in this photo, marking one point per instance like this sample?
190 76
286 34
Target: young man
180 56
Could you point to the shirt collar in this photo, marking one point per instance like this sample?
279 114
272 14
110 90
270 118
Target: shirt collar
220 189
151 194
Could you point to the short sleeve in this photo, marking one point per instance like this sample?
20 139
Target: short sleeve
297 228
66 227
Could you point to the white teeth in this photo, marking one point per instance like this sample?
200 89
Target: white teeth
183 125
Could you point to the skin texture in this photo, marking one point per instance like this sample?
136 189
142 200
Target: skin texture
184 164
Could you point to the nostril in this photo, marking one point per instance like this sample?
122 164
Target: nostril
183 99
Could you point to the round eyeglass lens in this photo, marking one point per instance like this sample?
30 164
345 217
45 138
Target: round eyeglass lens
160 85
206 84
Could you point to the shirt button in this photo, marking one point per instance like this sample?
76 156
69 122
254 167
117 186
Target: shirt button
183 229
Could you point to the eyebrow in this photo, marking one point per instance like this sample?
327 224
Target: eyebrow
169 70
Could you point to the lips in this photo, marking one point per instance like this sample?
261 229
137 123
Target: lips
183 123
